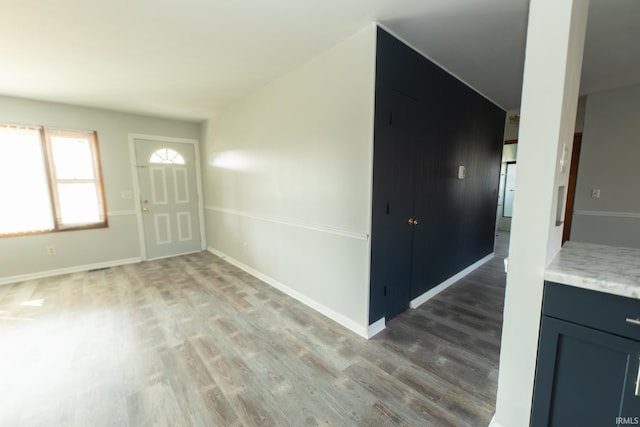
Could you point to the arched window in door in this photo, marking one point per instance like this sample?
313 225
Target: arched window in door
166 156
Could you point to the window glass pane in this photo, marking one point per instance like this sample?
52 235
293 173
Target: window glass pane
79 203
167 156
24 190
72 158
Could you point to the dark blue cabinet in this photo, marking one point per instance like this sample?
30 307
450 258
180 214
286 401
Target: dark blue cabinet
588 365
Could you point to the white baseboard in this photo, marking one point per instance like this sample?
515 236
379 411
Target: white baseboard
173 255
321 308
418 301
60 271
493 422
376 327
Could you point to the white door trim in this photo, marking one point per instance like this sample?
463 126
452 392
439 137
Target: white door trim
136 184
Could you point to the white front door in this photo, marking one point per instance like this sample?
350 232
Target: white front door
168 197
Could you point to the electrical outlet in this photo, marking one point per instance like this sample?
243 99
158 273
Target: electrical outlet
51 250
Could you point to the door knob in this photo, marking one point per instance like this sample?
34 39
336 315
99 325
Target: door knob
145 210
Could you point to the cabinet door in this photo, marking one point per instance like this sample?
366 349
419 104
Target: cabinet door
630 408
583 376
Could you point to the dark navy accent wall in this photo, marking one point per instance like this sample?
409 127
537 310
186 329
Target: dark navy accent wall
427 124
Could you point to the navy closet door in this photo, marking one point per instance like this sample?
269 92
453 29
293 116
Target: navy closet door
400 205
433 245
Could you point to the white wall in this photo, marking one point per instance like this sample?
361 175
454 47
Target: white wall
555 41
609 162
22 257
287 180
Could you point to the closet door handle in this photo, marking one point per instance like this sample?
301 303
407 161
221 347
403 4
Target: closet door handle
412 221
415 222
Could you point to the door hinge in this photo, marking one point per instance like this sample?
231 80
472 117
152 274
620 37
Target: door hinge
388 208
385 291
390 117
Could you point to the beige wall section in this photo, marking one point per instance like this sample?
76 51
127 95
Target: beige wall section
287 180
609 163
511 125
26 256
511 128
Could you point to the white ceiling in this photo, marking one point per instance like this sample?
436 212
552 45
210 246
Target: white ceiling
187 59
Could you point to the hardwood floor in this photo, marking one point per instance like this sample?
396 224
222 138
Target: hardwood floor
193 341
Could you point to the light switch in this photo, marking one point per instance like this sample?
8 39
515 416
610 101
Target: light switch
595 193
462 172
126 195
563 159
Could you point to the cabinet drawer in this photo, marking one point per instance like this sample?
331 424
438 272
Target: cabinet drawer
598 310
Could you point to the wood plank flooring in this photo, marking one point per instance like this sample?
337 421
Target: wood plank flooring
193 341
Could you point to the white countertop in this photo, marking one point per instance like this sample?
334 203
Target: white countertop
598 267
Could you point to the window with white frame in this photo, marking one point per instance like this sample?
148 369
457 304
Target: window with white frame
50 180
